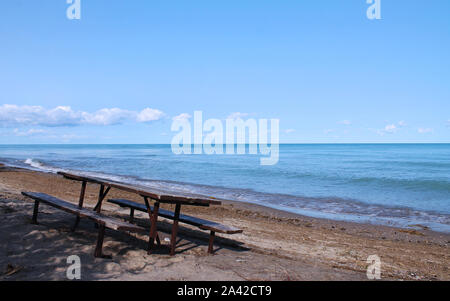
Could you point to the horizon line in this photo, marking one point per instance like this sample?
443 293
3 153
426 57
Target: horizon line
287 143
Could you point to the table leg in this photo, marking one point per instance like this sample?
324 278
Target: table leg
131 215
80 204
98 248
35 212
211 242
153 230
150 216
98 206
101 196
173 239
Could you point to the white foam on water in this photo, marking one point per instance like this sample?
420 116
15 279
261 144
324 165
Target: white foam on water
41 166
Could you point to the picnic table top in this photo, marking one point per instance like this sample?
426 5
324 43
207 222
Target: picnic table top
152 193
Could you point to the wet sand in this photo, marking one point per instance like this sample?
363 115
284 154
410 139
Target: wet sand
275 245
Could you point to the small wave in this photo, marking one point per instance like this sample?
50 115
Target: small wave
423 184
40 166
33 163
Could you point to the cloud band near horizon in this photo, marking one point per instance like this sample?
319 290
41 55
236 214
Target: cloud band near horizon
14 115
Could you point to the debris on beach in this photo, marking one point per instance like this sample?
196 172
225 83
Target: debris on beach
10 269
413 232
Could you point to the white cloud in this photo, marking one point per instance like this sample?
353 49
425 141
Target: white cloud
448 122
182 117
288 131
329 131
68 137
424 130
30 132
391 128
36 115
13 115
107 116
345 122
237 115
149 114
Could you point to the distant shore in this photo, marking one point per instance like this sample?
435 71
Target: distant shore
275 245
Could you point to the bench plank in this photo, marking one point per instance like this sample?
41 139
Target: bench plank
108 222
191 220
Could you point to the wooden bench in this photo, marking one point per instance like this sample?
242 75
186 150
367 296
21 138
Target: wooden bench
203 224
101 220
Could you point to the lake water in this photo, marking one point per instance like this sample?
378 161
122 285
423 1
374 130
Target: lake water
394 184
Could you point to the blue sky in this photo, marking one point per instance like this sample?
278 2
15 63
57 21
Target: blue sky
122 72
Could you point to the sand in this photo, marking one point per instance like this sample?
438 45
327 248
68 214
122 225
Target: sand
275 245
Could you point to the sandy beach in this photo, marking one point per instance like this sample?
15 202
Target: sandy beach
275 245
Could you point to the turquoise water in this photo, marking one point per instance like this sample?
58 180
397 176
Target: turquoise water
395 184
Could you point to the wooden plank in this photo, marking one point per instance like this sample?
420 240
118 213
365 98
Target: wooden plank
209 225
55 202
109 222
162 196
129 204
187 219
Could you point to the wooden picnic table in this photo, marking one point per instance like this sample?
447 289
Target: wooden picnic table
158 196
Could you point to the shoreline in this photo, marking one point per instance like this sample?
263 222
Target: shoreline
267 210
328 249
390 221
